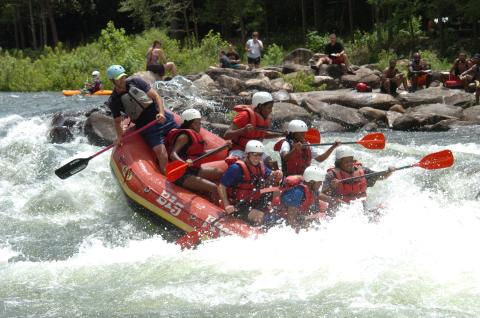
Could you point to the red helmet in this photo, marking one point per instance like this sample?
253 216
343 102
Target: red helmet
362 87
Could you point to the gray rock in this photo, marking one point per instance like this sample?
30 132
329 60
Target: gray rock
232 84
261 84
434 95
216 72
414 121
472 114
363 75
292 68
270 73
329 82
285 112
280 84
373 114
345 116
443 125
147 76
60 135
397 108
282 96
204 83
328 126
439 109
298 56
371 126
100 129
391 117
332 70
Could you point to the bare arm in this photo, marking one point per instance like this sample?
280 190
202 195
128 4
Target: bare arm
159 102
233 131
222 193
326 154
180 143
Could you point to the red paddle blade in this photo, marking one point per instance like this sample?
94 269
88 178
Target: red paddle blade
437 160
278 145
175 170
373 141
312 136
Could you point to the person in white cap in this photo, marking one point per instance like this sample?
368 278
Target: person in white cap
301 200
347 167
295 156
250 123
240 186
95 85
186 144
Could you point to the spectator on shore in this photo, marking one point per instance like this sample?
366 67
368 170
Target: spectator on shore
226 62
157 61
460 66
96 84
254 48
392 78
335 54
232 54
419 72
472 75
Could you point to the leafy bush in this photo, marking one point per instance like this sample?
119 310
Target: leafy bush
316 42
301 82
274 55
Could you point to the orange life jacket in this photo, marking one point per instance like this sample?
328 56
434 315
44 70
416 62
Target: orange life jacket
297 162
249 189
239 142
355 189
194 149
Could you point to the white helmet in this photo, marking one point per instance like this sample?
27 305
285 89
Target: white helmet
297 125
190 114
313 173
96 73
343 152
254 146
261 98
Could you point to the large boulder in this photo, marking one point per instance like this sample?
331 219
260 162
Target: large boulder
100 129
293 68
328 126
350 118
414 121
285 112
434 95
447 111
472 114
373 114
232 84
332 70
205 83
391 117
363 75
147 76
349 98
261 84
329 82
60 135
282 96
280 84
215 72
298 56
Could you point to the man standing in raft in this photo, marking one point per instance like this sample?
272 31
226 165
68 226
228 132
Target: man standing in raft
301 200
186 144
240 186
347 167
295 156
248 123
142 104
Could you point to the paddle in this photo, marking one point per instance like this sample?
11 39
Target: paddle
312 136
176 169
78 164
370 141
433 161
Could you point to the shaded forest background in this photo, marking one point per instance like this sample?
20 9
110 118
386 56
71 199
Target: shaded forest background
59 42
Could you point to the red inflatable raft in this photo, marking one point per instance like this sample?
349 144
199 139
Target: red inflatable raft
134 166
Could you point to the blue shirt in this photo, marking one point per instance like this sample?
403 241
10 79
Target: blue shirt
293 197
234 175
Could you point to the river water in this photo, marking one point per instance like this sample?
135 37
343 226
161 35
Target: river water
74 247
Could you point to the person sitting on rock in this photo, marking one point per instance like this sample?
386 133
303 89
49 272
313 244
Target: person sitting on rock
157 61
472 77
232 54
392 78
96 84
419 72
301 200
460 65
251 123
240 186
226 62
143 105
186 144
296 157
347 167
335 54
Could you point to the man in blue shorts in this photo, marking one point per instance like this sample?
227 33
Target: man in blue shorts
135 97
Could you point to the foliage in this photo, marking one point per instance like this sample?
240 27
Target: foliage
436 62
274 55
316 42
301 82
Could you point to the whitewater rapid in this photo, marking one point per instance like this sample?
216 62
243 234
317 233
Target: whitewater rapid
75 248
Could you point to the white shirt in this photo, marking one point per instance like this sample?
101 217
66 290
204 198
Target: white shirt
286 149
254 49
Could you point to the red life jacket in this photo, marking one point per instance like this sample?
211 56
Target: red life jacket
349 191
193 150
239 142
253 180
297 162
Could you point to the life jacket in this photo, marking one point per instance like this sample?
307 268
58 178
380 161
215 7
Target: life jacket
194 149
355 189
135 101
249 188
417 66
239 142
308 201
297 162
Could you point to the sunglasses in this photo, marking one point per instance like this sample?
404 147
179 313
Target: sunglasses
256 154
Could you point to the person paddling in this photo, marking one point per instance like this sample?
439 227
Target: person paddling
135 97
95 85
240 186
247 123
295 156
301 200
347 167
186 144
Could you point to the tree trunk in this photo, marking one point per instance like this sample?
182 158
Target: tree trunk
304 19
187 29
43 34
15 28
316 15
21 29
242 29
32 25
53 25
350 19
195 21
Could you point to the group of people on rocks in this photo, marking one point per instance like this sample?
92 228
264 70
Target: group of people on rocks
244 188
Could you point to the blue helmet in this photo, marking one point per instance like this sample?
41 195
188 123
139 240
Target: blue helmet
115 72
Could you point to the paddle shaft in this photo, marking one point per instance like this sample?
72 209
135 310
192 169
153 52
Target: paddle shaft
330 144
211 152
373 174
270 130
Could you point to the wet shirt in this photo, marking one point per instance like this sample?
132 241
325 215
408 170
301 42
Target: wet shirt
331 176
234 175
293 197
333 49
